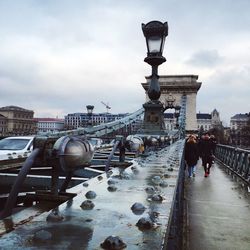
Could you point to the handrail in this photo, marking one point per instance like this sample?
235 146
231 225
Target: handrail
235 159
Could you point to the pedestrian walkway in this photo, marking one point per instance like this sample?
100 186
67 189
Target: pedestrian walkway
218 211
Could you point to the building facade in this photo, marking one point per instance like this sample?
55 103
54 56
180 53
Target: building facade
3 125
238 121
19 120
77 120
170 121
205 121
240 130
52 125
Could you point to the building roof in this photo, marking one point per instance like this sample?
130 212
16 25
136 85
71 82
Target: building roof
203 116
13 108
48 120
98 114
241 116
215 111
2 116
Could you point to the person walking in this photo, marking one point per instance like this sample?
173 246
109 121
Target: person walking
214 143
191 155
206 153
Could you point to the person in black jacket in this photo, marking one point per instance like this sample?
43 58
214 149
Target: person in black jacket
206 153
214 143
191 155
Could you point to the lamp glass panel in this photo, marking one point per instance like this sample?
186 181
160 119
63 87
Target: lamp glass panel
154 44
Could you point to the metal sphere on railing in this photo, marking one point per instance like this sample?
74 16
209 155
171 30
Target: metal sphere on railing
154 141
162 139
134 143
73 152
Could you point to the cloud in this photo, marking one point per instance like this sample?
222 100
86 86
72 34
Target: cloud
58 56
226 90
205 58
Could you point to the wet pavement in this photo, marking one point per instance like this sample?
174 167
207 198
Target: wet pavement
218 211
149 181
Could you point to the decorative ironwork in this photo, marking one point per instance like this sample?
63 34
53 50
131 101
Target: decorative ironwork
235 159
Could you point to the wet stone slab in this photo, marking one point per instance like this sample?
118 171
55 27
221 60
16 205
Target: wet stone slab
111 214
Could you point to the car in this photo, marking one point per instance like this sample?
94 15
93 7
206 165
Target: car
16 146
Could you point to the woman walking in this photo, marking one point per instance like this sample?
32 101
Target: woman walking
191 155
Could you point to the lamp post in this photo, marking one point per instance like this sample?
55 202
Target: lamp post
155 33
90 109
177 114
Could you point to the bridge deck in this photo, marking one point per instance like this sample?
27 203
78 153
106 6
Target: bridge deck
112 214
218 211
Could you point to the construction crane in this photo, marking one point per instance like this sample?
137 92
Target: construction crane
107 106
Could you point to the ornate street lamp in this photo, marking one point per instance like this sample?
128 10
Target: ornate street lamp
155 33
90 109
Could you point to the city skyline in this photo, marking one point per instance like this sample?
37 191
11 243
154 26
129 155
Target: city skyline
60 56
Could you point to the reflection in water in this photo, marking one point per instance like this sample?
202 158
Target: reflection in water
61 236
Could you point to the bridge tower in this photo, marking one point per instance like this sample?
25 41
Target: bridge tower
177 86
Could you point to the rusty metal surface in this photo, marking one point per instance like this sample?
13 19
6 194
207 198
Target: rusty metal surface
12 163
112 214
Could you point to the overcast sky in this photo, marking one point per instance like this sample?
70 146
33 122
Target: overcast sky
58 56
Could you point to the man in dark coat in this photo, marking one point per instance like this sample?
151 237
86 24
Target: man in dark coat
206 153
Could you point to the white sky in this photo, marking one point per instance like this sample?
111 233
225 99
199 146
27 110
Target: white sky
58 56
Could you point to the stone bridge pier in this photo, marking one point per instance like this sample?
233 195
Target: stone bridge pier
177 86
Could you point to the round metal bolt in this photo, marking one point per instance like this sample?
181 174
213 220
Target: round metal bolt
112 188
144 223
157 197
166 175
87 205
138 208
111 182
99 177
90 195
163 184
54 216
85 184
156 179
109 173
150 190
154 215
113 243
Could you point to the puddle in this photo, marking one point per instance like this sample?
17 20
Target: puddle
61 236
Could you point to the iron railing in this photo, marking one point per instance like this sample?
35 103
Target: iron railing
235 159
175 235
